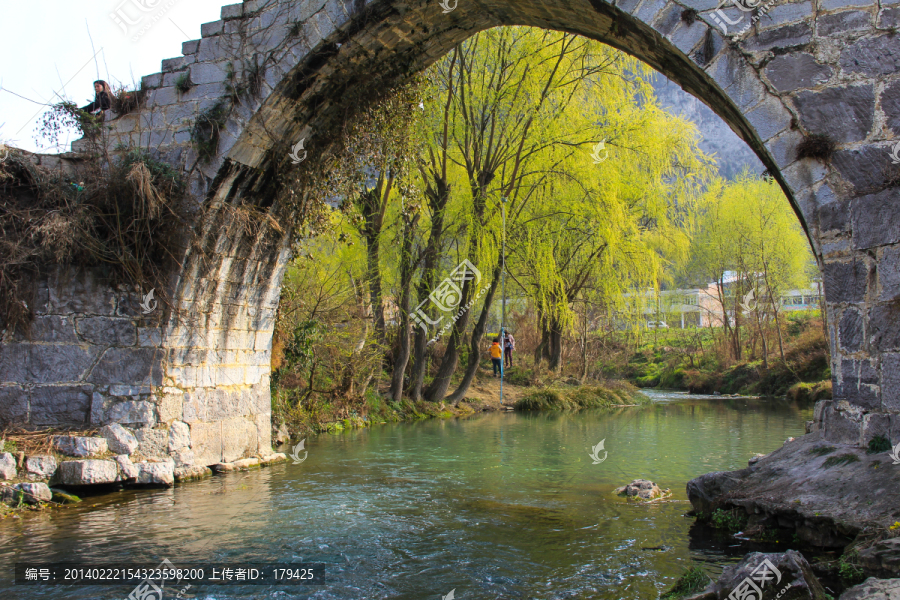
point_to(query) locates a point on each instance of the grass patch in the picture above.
(565, 397)
(732, 520)
(691, 581)
(822, 450)
(843, 459)
(878, 444)
(183, 83)
(208, 129)
(849, 570)
(545, 399)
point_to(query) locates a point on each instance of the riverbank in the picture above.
(318, 414)
(694, 360)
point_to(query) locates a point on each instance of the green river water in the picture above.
(493, 506)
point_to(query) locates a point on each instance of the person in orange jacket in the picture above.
(497, 357)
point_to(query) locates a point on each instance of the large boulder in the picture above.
(785, 575)
(7, 466)
(87, 472)
(882, 557)
(706, 491)
(119, 439)
(35, 493)
(80, 447)
(40, 467)
(156, 473)
(642, 489)
(874, 589)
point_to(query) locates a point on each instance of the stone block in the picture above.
(183, 457)
(239, 438)
(207, 441)
(107, 331)
(7, 466)
(804, 174)
(206, 72)
(867, 168)
(190, 47)
(769, 118)
(52, 328)
(156, 473)
(264, 433)
(58, 364)
(888, 270)
(151, 81)
(834, 216)
(846, 281)
(232, 11)
(172, 64)
(889, 17)
(884, 327)
(61, 405)
(87, 472)
(195, 406)
(170, 406)
(854, 20)
(789, 36)
(179, 436)
(796, 71)
(851, 330)
(81, 447)
(875, 219)
(890, 382)
(132, 366)
(890, 105)
(127, 470)
(872, 56)
(686, 37)
(13, 405)
(845, 114)
(132, 412)
(784, 13)
(119, 439)
(836, 4)
(81, 293)
(874, 425)
(40, 468)
(35, 493)
(840, 427)
(152, 443)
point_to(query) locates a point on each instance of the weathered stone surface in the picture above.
(889, 17)
(884, 327)
(845, 114)
(7, 466)
(876, 219)
(246, 463)
(858, 384)
(156, 473)
(854, 20)
(183, 457)
(239, 437)
(179, 436)
(207, 441)
(81, 447)
(13, 404)
(704, 491)
(789, 36)
(873, 589)
(58, 364)
(882, 558)
(866, 167)
(795, 579)
(108, 331)
(851, 330)
(132, 413)
(795, 71)
(152, 442)
(642, 489)
(87, 472)
(271, 459)
(119, 439)
(872, 56)
(126, 467)
(133, 366)
(35, 493)
(52, 328)
(889, 274)
(191, 473)
(40, 467)
(890, 382)
(890, 105)
(846, 281)
(60, 405)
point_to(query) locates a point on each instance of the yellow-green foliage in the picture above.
(560, 397)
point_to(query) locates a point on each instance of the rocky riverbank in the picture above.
(55, 469)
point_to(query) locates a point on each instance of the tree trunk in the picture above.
(438, 388)
(555, 345)
(406, 272)
(475, 342)
(373, 274)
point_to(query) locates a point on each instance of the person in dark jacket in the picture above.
(102, 98)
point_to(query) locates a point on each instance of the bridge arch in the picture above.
(273, 72)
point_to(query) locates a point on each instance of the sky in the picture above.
(48, 55)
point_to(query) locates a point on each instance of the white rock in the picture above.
(87, 472)
(183, 457)
(133, 412)
(40, 467)
(156, 473)
(179, 436)
(246, 463)
(7, 466)
(119, 439)
(126, 467)
(35, 492)
(80, 447)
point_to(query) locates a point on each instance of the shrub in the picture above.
(843, 459)
(878, 444)
(729, 520)
(545, 399)
(691, 581)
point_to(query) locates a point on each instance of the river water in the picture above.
(491, 506)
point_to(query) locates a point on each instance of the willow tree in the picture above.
(521, 102)
(750, 243)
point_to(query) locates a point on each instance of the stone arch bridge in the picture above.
(776, 75)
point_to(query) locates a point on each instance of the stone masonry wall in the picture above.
(284, 71)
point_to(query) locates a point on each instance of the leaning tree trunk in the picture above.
(475, 342)
(373, 251)
(406, 272)
(438, 388)
(555, 344)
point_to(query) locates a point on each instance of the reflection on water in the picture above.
(493, 506)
